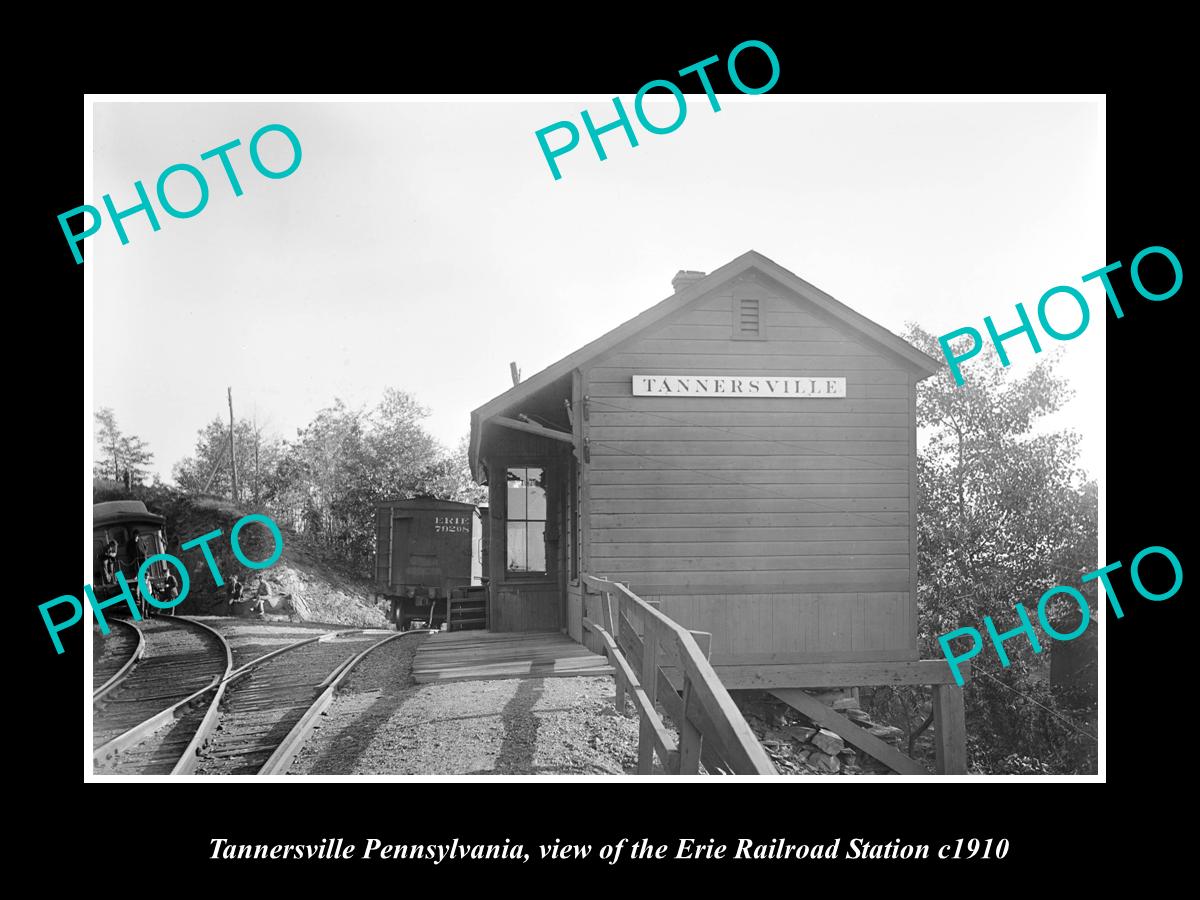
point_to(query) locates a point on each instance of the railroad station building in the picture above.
(743, 453)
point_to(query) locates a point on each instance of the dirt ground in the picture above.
(383, 723)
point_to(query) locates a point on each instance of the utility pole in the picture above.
(256, 442)
(232, 448)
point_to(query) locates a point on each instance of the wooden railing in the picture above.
(658, 662)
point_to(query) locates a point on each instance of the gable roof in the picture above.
(751, 259)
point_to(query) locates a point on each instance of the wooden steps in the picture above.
(469, 612)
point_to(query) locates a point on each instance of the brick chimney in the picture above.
(685, 278)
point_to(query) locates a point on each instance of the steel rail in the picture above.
(104, 754)
(281, 759)
(124, 671)
(190, 758)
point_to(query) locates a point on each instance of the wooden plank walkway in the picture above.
(486, 655)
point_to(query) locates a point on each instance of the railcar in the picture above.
(129, 534)
(430, 563)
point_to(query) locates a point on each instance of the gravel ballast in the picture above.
(383, 723)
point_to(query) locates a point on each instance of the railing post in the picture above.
(606, 620)
(691, 741)
(650, 686)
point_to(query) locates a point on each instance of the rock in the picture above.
(827, 742)
(848, 757)
(857, 715)
(845, 703)
(825, 763)
(889, 733)
(801, 733)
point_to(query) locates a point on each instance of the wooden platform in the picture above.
(486, 655)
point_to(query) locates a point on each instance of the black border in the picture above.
(1047, 825)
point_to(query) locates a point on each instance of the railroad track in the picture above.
(114, 656)
(185, 709)
(251, 640)
(272, 704)
(143, 723)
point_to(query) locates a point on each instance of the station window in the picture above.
(526, 512)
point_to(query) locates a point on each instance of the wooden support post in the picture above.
(950, 729)
(691, 741)
(619, 699)
(650, 686)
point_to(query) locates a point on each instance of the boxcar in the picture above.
(429, 562)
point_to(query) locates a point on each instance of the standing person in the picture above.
(133, 550)
(143, 598)
(235, 595)
(108, 563)
(169, 589)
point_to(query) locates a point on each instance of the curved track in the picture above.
(114, 655)
(267, 700)
(142, 724)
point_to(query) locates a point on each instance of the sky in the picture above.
(425, 245)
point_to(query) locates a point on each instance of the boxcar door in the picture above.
(402, 527)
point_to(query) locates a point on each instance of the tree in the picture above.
(1005, 514)
(328, 480)
(117, 452)
(212, 453)
(449, 478)
(399, 449)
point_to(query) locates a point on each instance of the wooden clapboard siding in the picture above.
(777, 581)
(795, 627)
(797, 550)
(525, 607)
(789, 563)
(700, 418)
(658, 444)
(684, 490)
(802, 438)
(761, 362)
(704, 521)
(700, 408)
(754, 503)
(744, 535)
(826, 479)
(606, 457)
(783, 526)
(824, 342)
